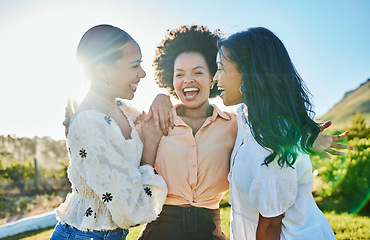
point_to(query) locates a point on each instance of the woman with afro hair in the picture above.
(191, 158)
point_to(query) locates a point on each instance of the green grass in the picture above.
(345, 226)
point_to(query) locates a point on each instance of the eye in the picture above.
(179, 75)
(138, 64)
(198, 73)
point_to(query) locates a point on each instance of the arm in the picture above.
(151, 138)
(268, 228)
(133, 195)
(161, 112)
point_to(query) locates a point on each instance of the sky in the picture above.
(328, 42)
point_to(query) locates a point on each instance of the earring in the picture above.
(107, 82)
(240, 88)
(212, 84)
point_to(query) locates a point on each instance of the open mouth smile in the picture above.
(190, 92)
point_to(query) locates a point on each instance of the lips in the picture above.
(220, 88)
(133, 86)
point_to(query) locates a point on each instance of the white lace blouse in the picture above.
(109, 187)
(271, 191)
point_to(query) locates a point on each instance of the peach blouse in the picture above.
(195, 168)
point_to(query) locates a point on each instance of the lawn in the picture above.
(344, 225)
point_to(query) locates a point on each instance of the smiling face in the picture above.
(192, 79)
(228, 79)
(124, 74)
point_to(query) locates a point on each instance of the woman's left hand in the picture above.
(161, 112)
(325, 144)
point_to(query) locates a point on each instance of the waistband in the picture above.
(192, 219)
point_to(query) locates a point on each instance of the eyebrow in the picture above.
(178, 69)
(136, 61)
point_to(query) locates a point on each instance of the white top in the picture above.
(109, 187)
(271, 191)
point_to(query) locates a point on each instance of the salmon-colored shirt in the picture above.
(195, 168)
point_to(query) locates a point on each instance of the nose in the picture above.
(188, 79)
(215, 78)
(142, 73)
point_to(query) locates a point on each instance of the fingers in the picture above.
(334, 152)
(156, 121)
(324, 154)
(75, 105)
(171, 119)
(149, 116)
(325, 125)
(339, 137)
(339, 145)
(68, 109)
(163, 120)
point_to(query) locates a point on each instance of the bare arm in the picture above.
(268, 228)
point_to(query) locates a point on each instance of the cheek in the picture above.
(177, 85)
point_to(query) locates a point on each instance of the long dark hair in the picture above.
(279, 105)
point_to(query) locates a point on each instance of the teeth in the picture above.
(190, 89)
(220, 88)
(134, 85)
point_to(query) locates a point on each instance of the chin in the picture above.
(230, 103)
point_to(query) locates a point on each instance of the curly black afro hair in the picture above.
(185, 39)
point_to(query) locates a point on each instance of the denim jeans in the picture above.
(66, 232)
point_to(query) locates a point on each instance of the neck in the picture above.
(203, 111)
(99, 99)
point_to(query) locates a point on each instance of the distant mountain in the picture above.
(354, 101)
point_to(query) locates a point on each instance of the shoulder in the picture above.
(129, 110)
(230, 116)
(89, 123)
(87, 117)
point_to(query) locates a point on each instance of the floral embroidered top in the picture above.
(109, 187)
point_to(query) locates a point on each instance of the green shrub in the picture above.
(22, 204)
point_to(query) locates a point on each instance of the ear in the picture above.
(101, 70)
(212, 82)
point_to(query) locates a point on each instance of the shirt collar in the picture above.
(216, 112)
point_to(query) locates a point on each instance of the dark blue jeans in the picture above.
(66, 232)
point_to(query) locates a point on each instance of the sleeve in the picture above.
(133, 195)
(273, 189)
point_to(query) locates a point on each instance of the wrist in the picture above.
(144, 162)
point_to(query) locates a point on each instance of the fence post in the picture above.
(35, 182)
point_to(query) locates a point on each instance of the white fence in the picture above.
(27, 224)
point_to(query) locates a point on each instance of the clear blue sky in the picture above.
(328, 41)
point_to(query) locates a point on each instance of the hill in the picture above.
(354, 101)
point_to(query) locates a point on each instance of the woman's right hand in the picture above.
(150, 132)
(161, 112)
